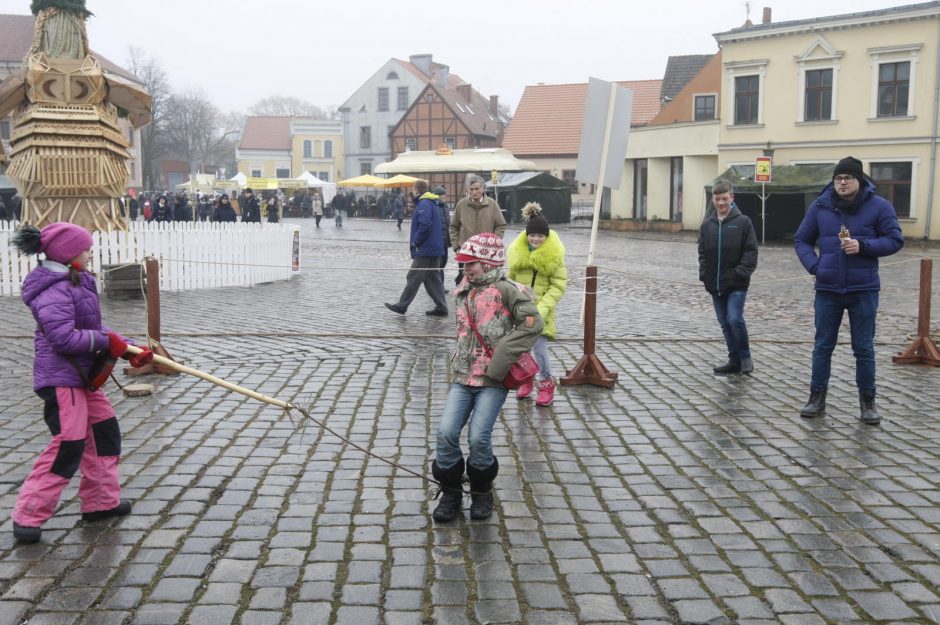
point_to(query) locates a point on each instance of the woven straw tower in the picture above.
(68, 156)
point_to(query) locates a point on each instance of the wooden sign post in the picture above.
(153, 324)
(923, 351)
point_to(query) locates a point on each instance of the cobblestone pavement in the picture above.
(676, 497)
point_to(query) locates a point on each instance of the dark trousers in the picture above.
(862, 307)
(433, 282)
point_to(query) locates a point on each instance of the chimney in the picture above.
(422, 62)
(464, 90)
(442, 73)
(766, 18)
(494, 105)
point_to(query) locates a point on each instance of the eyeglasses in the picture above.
(844, 178)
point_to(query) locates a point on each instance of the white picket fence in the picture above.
(192, 255)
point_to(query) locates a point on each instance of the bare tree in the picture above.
(153, 141)
(287, 106)
(196, 131)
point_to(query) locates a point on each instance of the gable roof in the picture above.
(549, 117)
(682, 106)
(266, 133)
(679, 71)
(17, 37)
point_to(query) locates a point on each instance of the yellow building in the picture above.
(286, 147)
(817, 90)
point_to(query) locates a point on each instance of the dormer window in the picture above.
(392, 76)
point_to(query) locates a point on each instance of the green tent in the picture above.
(516, 189)
(792, 189)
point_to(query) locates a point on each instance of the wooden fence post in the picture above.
(923, 351)
(153, 323)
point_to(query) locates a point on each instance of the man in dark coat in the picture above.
(852, 227)
(427, 247)
(727, 256)
(251, 209)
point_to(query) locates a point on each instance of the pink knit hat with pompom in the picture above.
(63, 241)
(487, 248)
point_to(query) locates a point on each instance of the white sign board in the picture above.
(597, 128)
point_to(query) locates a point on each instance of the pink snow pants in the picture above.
(85, 435)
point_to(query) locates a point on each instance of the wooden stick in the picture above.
(166, 362)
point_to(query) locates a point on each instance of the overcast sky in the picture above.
(239, 51)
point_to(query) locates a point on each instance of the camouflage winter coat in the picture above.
(508, 319)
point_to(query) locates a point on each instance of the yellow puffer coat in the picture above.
(543, 270)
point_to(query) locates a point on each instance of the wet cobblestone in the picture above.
(676, 497)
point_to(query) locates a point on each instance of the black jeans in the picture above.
(422, 273)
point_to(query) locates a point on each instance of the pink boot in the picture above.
(546, 392)
(524, 391)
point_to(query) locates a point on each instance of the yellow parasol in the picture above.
(400, 181)
(366, 180)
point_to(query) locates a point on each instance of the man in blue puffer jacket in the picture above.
(852, 227)
(427, 247)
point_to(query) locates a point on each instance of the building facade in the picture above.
(817, 90)
(286, 147)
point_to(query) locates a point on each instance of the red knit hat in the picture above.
(63, 241)
(486, 247)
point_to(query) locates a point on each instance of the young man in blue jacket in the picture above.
(727, 256)
(852, 227)
(427, 247)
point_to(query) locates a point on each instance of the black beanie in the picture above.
(849, 166)
(536, 224)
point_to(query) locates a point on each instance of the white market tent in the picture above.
(431, 161)
(327, 189)
(240, 179)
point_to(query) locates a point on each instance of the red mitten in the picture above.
(116, 345)
(144, 357)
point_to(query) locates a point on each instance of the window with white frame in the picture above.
(705, 106)
(365, 167)
(893, 182)
(451, 142)
(256, 172)
(746, 83)
(746, 99)
(308, 148)
(817, 95)
(365, 137)
(411, 144)
(402, 98)
(282, 172)
(893, 84)
(328, 149)
(324, 176)
(383, 98)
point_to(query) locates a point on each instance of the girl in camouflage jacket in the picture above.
(506, 316)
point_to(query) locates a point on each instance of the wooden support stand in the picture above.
(590, 370)
(923, 351)
(153, 324)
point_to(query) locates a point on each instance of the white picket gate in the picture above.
(192, 255)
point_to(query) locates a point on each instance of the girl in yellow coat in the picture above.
(537, 259)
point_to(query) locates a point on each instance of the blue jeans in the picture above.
(540, 354)
(729, 309)
(480, 406)
(862, 307)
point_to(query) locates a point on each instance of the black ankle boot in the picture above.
(816, 406)
(25, 534)
(481, 490)
(451, 491)
(122, 509)
(869, 415)
(729, 367)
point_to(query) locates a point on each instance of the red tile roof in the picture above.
(549, 117)
(266, 133)
(16, 35)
